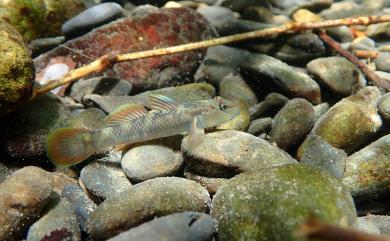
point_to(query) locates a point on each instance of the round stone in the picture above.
(271, 204)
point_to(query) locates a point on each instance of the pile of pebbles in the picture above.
(312, 137)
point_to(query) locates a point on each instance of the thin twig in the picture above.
(104, 62)
(314, 229)
(370, 74)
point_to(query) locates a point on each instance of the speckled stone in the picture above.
(382, 62)
(367, 171)
(384, 107)
(291, 81)
(175, 227)
(226, 153)
(104, 180)
(149, 161)
(338, 74)
(270, 204)
(260, 126)
(292, 123)
(58, 218)
(234, 87)
(382, 222)
(25, 192)
(320, 110)
(4, 172)
(156, 197)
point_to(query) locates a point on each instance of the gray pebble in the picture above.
(23, 196)
(272, 103)
(234, 87)
(92, 17)
(291, 81)
(226, 153)
(380, 221)
(175, 227)
(104, 180)
(384, 107)
(4, 172)
(367, 226)
(144, 201)
(82, 205)
(292, 123)
(212, 184)
(320, 109)
(61, 217)
(382, 62)
(217, 15)
(149, 161)
(337, 74)
(100, 86)
(362, 43)
(379, 31)
(260, 126)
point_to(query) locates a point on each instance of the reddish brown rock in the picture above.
(148, 28)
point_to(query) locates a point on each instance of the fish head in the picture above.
(218, 111)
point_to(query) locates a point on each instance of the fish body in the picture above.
(132, 123)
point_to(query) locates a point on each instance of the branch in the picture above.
(370, 74)
(314, 229)
(105, 61)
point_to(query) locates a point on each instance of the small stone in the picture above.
(144, 201)
(104, 180)
(259, 14)
(217, 15)
(362, 43)
(233, 87)
(24, 132)
(367, 171)
(91, 18)
(16, 69)
(346, 9)
(212, 184)
(378, 31)
(291, 81)
(317, 152)
(312, 5)
(320, 110)
(241, 5)
(31, 17)
(4, 172)
(292, 123)
(380, 221)
(41, 45)
(382, 62)
(175, 227)
(81, 204)
(23, 196)
(180, 94)
(100, 86)
(260, 126)
(384, 107)
(366, 226)
(273, 102)
(337, 74)
(117, 36)
(240, 122)
(226, 153)
(351, 122)
(269, 204)
(61, 217)
(219, 62)
(149, 161)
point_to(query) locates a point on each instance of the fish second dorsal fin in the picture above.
(161, 102)
(125, 112)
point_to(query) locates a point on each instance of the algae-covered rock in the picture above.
(270, 204)
(225, 153)
(16, 68)
(31, 17)
(367, 171)
(351, 122)
(143, 201)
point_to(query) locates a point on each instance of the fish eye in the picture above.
(222, 106)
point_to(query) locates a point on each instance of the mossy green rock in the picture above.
(144, 201)
(31, 17)
(16, 69)
(271, 204)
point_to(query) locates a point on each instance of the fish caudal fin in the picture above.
(69, 146)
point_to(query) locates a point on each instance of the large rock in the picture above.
(270, 204)
(160, 28)
(23, 196)
(16, 68)
(31, 17)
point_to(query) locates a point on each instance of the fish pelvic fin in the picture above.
(196, 134)
(69, 146)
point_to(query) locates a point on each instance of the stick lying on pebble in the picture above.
(106, 61)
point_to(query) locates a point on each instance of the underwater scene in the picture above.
(195, 120)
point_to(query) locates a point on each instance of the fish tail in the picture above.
(69, 146)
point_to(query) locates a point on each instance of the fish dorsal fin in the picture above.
(161, 102)
(125, 112)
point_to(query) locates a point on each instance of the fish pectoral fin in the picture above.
(161, 102)
(124, 113)
(196, 134)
